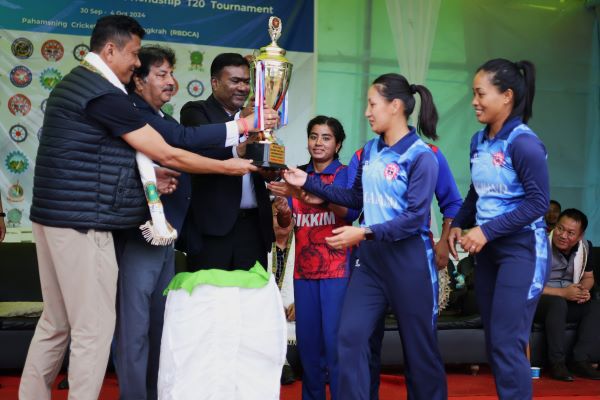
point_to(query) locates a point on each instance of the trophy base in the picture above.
(266, 155)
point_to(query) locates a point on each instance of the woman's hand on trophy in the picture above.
(238, 166)
(295, 177)
(280, 188)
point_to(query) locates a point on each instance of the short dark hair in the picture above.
(519, 77)
(556, 203)
(116, 28)
(226, 60)
(151, 55)
(333, 124)
(576, 216)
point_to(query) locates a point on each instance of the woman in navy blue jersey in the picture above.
(505, 207)
(394, 186)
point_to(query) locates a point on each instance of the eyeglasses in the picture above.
(560, 230)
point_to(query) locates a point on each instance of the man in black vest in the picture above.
(230, 226)
(86, 184)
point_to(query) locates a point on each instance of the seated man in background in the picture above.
(566, 298)
(552, 214)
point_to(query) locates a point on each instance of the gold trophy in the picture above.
(273, 70)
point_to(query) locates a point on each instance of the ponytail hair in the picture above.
(519, 77)
(395, 86)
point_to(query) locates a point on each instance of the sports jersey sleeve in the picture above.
(446, 192)
(353, 167)
(529, 160)
(116, 113)
(421, 184)
(341, 180)
(465, 218)
(348, 197)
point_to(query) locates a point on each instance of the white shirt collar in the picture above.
(95, 60)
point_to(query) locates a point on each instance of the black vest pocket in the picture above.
(119, 191)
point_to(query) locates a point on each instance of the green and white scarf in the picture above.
(157, 231)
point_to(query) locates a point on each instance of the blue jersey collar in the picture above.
(506, 129)
(329, 170)
(401, 145)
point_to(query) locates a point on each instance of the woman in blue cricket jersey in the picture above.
(394, 185)
(505, 208)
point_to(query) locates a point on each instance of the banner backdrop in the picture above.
(40, 42)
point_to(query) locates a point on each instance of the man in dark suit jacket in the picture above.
(145, 270)
(229, 225)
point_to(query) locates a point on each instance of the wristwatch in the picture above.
(369, 235)
(2, 214)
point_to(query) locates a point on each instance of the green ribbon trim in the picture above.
(254, 278)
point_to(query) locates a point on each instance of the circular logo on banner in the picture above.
(195, 88)
(43, 105)
(18, 133)
(20, 76)
(196, 59)
(13, 217)
(50, 77)
(15, 193)
(391, 171)
(167, 108)
(22, 48)
(52, 50)
(19, 105)
(16, 162)
(80, 51)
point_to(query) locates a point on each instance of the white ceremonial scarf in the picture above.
(158, 231)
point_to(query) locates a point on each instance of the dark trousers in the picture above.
(318, 307)
(144, 273)
(507, 287)
(399, 274)
(375, 344)
(555, 312)
(241, 248)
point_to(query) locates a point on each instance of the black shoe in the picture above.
(287, 375)
(560, 372)
(584, 369)
(64, 384)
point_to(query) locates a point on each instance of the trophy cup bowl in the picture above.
(267, 153)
